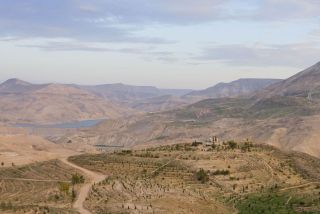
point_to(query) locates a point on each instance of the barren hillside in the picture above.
(288, 121)
(22, 102)
(237, 88)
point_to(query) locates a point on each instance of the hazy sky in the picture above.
(166, 43)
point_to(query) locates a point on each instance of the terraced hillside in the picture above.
(191, 178)
(36, 188)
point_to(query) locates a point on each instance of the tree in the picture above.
(77, 179)
(64, 187)
(232, 144)
(73, 194)
(202, 176)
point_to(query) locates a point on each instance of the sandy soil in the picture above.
(21, 149)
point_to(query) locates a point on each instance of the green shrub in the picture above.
(202, 176)
(77, 179)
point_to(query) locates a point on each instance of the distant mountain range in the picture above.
(23, 102)
(140, 98)
(126, 93)
(285, 114)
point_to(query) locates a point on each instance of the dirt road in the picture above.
(85, 189)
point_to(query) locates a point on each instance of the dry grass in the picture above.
(136, 186)
(34, 188)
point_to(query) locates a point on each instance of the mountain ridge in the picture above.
(299, 84)
(22, 102)
(236, 88)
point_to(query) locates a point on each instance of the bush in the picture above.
(221, 172)
(64, 187)
(73, 195)
(196, 143)
(247, 146)
(202, 176)
(232, 144)
(126, 152)
(77, 179)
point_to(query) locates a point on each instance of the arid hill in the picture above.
(222, 178)
(21, 149)
(152, 99)
(22, 102)
(128, 93)
(235, 177)
(237, 88)
(290, 122)
(161, 103)
(303, 84)
(141, 98)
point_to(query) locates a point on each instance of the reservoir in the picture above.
(68, 125)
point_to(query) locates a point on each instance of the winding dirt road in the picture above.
(85, 189)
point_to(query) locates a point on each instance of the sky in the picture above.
(165, 43)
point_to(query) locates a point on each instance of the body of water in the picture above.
(68, 125)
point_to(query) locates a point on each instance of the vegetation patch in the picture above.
(276, 202)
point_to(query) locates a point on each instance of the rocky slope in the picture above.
(305, 83)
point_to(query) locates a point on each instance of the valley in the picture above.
(249, 146)
(159, 107)
(282, 115)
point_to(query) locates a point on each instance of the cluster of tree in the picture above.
(147, 155)
(175, 147)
